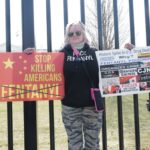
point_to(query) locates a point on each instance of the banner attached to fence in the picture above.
(123, 72)
(38, 76)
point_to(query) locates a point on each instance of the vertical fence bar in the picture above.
(8, 28)
(51, 103)
(119, 98)
(100, 46)
(65, 4)
(147, 21)
(136, 121)
(9, 104)
(132, 28)
(82, 9)
(120, 123)
(30, 126)
(135, 96)
(99, 21)
(48, 19)
(116, 24)
(104, 129)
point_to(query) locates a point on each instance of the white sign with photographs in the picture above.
(123, 72)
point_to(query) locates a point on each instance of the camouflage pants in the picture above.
(83, 127)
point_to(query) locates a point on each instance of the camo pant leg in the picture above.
(92, 123)
(72, 119)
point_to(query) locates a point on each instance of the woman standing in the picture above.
(81, 121)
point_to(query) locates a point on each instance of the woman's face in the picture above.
(75, 35)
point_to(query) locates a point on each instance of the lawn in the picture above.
(60, 134)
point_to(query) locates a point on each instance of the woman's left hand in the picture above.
(129, 46)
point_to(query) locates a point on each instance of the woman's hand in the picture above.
(129, 46)
(29, 51)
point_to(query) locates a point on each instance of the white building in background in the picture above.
(14, 48)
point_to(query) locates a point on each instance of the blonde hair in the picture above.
(66, 39)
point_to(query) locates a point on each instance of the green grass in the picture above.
(60, 134)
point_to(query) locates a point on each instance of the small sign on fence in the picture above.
(38, 76)
(123, 72)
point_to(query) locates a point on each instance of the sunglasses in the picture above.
(77, 33)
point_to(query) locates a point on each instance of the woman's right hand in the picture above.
(29, 51)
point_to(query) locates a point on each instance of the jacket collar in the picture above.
(68, 47)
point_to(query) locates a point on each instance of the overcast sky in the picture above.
(57, 21)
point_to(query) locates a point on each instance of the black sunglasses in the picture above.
(77, 33)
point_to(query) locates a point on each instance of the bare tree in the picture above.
(107, 24)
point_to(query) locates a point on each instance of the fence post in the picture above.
(135, 96)
(51, 103)
(9, 104)
(100, 47)
(82, 9)
(147, 22)
(65, 4)
(30, 128)
(119, 98)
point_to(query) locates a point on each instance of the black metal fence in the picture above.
(28, 40)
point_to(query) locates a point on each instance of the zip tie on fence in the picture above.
(30, 91)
